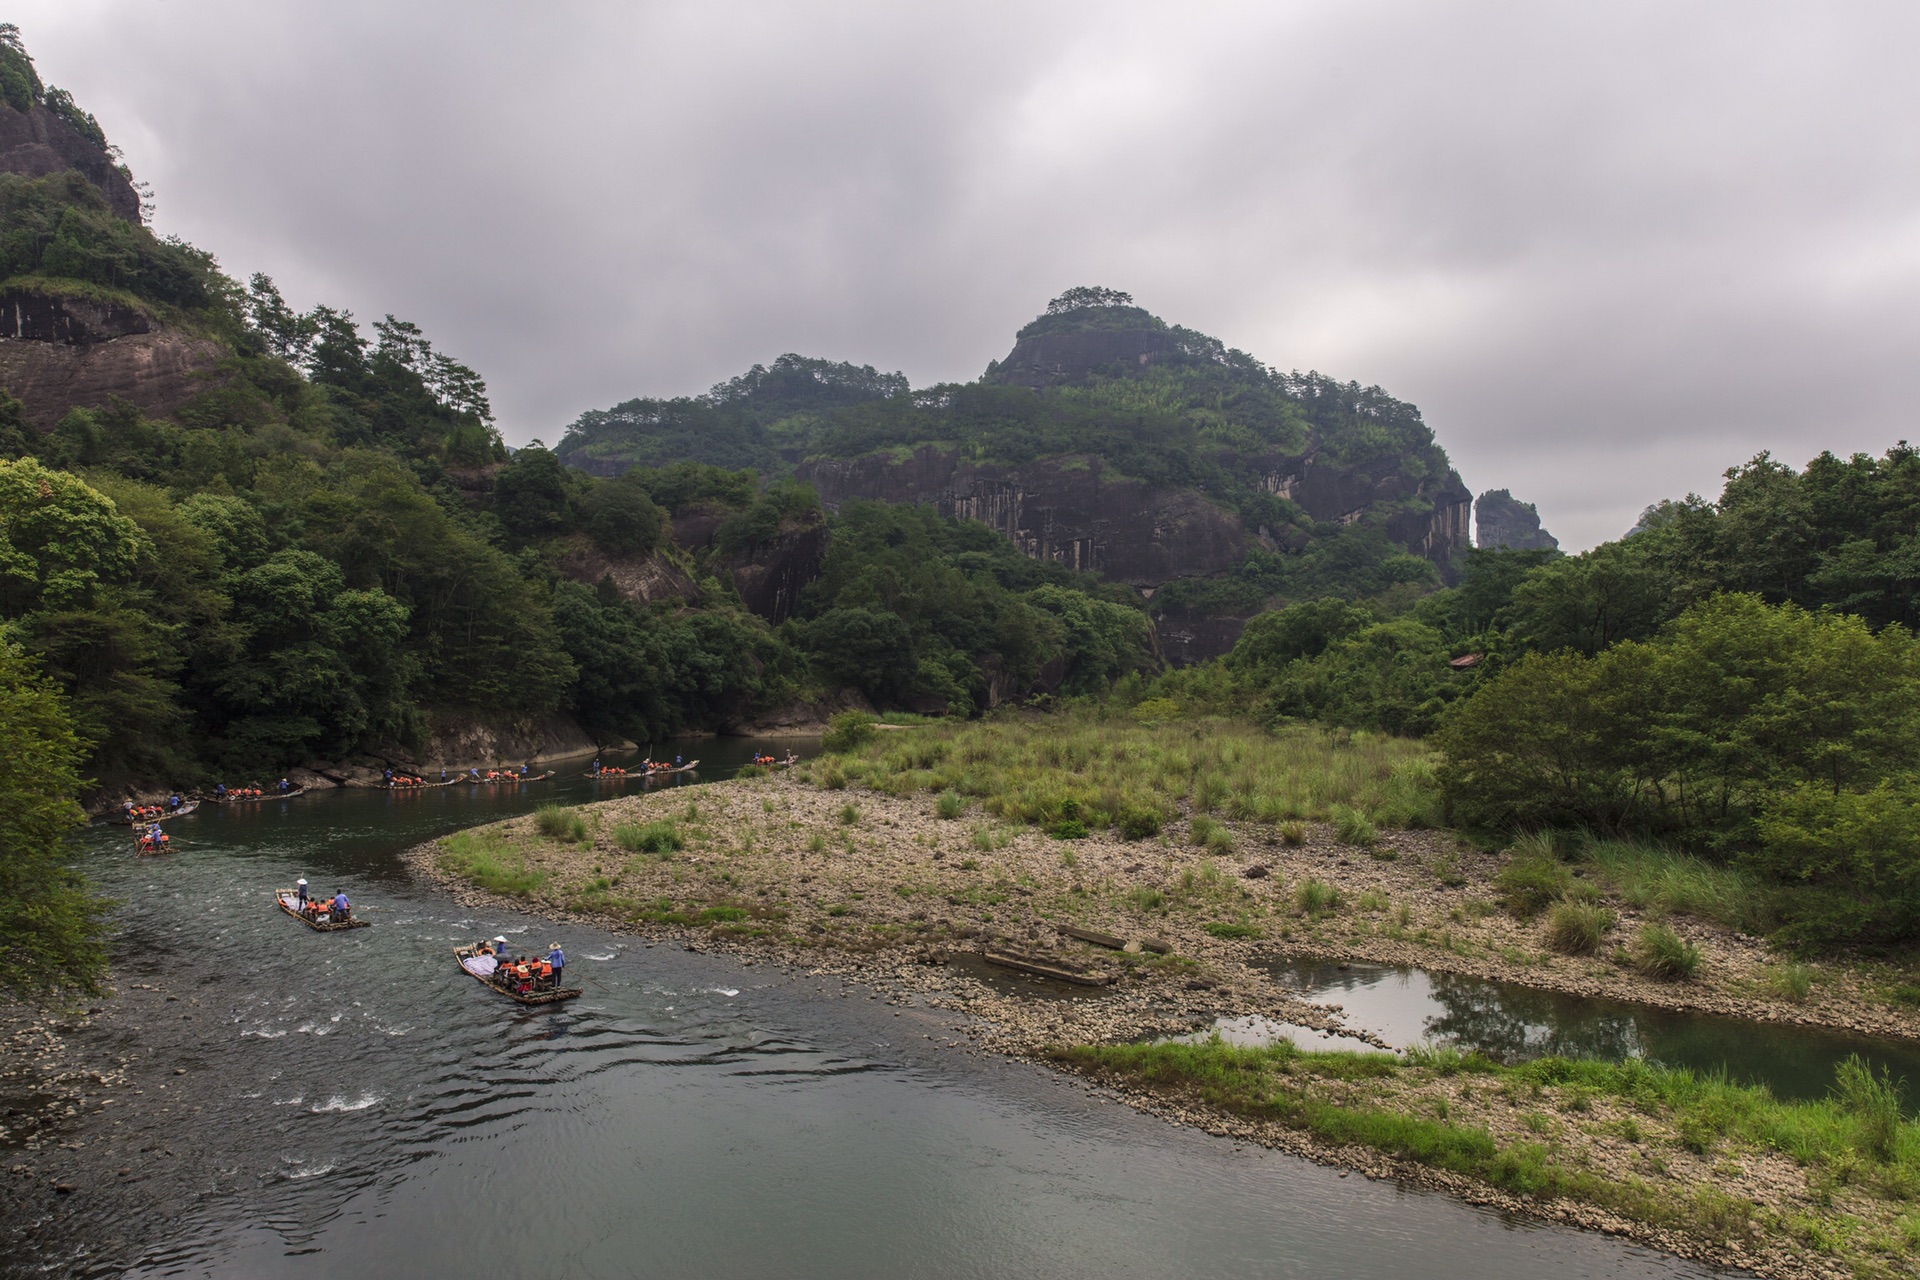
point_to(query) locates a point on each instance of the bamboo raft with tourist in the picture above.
(527, 979)
(151, 843)
(250, 795)
(324, 915)
(140, 815)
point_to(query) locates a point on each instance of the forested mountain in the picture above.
(241, 536)
(1108, 441)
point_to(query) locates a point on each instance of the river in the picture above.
(317, 1105)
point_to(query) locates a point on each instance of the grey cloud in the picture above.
(1610, 250)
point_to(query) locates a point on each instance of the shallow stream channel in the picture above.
(1405, 1007)
(304, 1105)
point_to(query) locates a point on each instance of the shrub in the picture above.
(1222, 929)
(648, 837)
(1068, 829)
(950, 805)
(1316, 897)
(1138, 822)
(559, 822)
(1662, 953)
(1145, 899)
(722, 915)
(1532, 880)
(849, 814)
(751, 771)
(834, 778)
(1353, 827)
(849, 731)
(1293, 833)
(1576, 928)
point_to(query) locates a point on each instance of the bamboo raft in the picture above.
(552, 996)
(259, 799)
(285, 900)
(495, 782)
(140, 849)
(122, 820)
(609, 775)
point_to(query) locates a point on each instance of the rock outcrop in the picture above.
(640, 580)
(1502, 521)
(771, 576)
(1048, 359)
(37, 143)
(1065, 509)
(60, 353)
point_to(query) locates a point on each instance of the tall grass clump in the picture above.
(1315, 897)
(1354, 827)
(486, 858)
(1576, 928)
(1662, 953)
(1653, 877)
(950, 805)
(559, 823)
(1873, 1100)
(648, 837)
(1533, 879)
(1136, 775)
(1792, 981)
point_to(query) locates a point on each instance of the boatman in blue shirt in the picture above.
(340, 907)
(558, 959)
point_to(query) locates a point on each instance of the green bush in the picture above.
(1532, 880)
(648, 837)
(560, 823)
(1068, 829)
(751, 771)
(1222, 929)
(1293, 833)
(722, 915)
(1576, 928)
(849, 814)
(849, 731)
(1662, 953)
(950, 805)
(1146, 899)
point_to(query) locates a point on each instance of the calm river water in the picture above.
(371, 1112)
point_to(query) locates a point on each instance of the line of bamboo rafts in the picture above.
(320, 921)
(552, 995)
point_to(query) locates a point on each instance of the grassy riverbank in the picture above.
(1752, 1177)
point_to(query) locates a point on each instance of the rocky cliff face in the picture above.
(1502, 521)
(62, 353)
(38, 142)
(1048, 359)
(1064, 509)
(642, 580)
(771, 576)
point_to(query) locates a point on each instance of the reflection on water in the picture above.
(1408, 1006)
(360, 1107)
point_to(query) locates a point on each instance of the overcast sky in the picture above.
(1608, 249)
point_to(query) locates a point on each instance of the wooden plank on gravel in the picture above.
(1041, 969)
(1094, 936)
